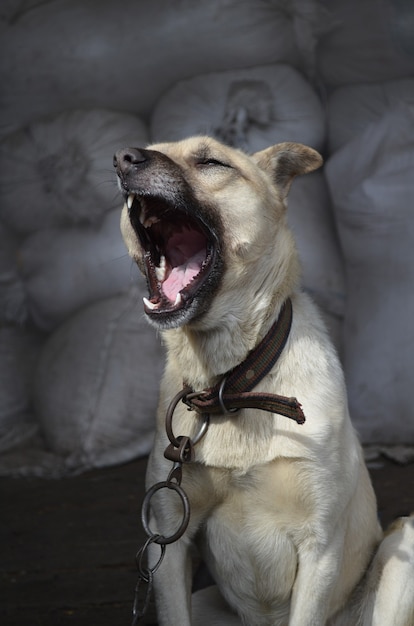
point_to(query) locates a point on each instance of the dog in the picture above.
(283, 512)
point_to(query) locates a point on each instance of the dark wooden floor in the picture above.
(68, 546)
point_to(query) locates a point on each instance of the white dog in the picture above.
(283, 512)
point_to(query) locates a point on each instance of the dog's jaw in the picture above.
(180, 258)
(177, 243)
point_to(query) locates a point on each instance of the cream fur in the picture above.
(285, 515)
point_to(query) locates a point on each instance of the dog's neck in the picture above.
(205, 355)
(237, 319)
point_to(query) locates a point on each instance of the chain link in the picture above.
(139, 557)
(179, 451)
(138, 613)
(161, 539)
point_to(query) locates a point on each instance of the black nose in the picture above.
(128, 158)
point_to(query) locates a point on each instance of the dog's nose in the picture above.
(128, 158)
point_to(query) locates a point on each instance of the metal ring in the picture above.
(192, 394)
(160, 539)
(203, 429)
(220, 398)
(146, 572)
(168, 418)
(170, 413)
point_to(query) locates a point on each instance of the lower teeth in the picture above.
(150, 305)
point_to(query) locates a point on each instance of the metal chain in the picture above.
(179, 451)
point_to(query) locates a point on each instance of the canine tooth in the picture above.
(178, 299)
(130, 200)
(148, 304)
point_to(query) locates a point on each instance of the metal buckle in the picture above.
(221, 401)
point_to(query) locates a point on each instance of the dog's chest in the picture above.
(252, 530)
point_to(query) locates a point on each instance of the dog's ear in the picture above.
(286, 160)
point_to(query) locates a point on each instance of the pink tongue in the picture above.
(181, 275)
(186, 253)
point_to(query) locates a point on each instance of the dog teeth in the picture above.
(146, 220)
(161, 270)
(149, 221)
(149, 305)
(130, 200)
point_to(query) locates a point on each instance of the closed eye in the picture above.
(213, 162)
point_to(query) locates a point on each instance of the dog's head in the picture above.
(200, 219)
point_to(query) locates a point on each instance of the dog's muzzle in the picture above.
(177, 238)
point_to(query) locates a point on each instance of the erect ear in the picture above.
(286, 160)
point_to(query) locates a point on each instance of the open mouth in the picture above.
(179, 256)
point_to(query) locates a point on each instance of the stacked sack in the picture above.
(365, 42)
(19, 349)
(95, 53)
(370, 177)
(365, 62)
(69, 307)
(85, 366)
(79, 367)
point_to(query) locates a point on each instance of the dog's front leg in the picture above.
(173, 579)
(317, 575)
(172, 583)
